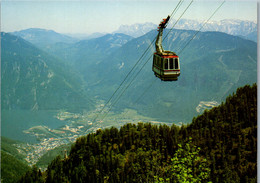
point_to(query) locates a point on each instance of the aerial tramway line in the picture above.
(166, 65)
(129, 73)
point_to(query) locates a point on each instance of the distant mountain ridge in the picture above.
(82, 36)
(229, 26)
(136, 30)
(247, 29)
(42, 37)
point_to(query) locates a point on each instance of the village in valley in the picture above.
(74, 126)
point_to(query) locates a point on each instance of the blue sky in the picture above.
(108, 15)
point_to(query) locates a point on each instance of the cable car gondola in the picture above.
(166, 64)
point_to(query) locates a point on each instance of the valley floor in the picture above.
(76, 125)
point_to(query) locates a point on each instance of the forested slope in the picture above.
(227, 136)
(218, 146)
(11, 168)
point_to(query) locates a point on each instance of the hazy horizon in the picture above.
(89, 17)
(82, 33)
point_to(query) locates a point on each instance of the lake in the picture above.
(14, 122)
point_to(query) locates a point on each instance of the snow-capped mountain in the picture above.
(233, 27)
(136, 30)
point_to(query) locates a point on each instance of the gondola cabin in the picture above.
(166, 67)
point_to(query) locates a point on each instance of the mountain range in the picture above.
(212, 67)
(136, 30)
(42, 37)
(73, 75)
(246, 29)
(34, 80)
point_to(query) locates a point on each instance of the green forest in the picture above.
(219, 145)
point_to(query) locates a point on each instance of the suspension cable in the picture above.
(201, 27)
(178, 20)
(189, 41)
(139, 70)
(147, 89)
(122, 82)
(131, 70)
(176, 8)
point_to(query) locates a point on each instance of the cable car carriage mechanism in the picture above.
(166, 64)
